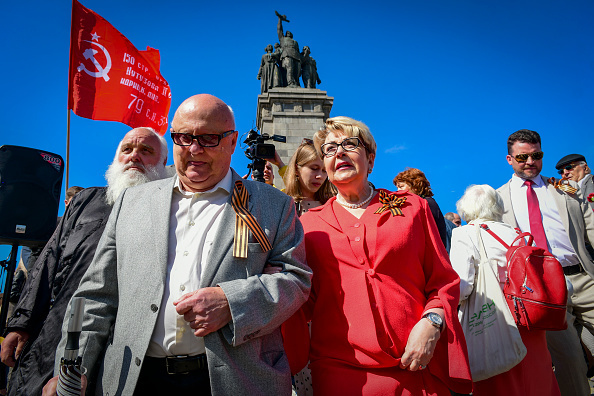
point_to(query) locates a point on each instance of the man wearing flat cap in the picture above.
(574, 167)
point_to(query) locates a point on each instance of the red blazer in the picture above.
(373, 278)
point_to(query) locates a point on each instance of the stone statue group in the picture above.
(282, 65)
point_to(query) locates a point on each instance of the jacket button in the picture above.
(154, 308)
(137, 361)
(371, 272)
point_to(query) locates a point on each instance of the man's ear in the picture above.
(509, 159)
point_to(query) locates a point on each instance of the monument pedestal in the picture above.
(296, 113)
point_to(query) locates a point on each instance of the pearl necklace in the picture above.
(358, 205)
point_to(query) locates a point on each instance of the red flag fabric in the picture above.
(109, 79)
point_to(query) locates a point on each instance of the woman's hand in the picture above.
(420, 346)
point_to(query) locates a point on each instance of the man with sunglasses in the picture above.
(558, 218)
(574, 167)
(177, 302)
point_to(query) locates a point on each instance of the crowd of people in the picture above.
(205, 282)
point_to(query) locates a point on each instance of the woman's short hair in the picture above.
(304, 154)
(417, 181)
(480, 202)
(348, 127)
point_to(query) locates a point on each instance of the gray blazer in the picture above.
(576, 215)
(588, 188)
(124, 286)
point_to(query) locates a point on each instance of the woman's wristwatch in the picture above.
(434, 319)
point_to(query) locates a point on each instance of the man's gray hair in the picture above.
(449, 216)
(164, 148)
(480, 202)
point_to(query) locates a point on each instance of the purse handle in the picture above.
(521, 236)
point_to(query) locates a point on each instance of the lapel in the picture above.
(560, 201)
(159, 210)
(327, 214)
(223, 241)
(508, 215)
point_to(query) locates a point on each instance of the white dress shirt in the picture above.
(193, 223)
(557, 239)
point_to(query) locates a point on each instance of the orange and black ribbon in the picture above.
(390, 202)
(563, 185)
(244, 220)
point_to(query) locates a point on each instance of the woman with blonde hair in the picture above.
(306, 179)
(383, 300)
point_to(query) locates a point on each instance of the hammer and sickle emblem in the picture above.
(90, 54)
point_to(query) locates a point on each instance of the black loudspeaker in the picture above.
(30, 186)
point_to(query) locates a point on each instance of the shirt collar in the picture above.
(519, 181)
(226, 184)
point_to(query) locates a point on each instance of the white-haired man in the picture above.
(35, 327)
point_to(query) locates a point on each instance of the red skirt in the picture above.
(332, 377)
(533, 376)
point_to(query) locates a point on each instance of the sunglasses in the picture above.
(567, 167)
(524, 157)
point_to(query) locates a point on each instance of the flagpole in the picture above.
(67, 149)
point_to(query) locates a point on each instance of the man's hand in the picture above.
(50, 389)
(12, 346)
(206, 310)
(420, 345)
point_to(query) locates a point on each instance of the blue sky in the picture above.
(440, 84)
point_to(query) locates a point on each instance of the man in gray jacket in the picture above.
(574, 167)
(559, 219)
(177, 298)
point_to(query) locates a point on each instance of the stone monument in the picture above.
(284, 108)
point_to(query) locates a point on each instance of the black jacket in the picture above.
(50, 285)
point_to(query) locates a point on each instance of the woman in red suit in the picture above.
(384, 296)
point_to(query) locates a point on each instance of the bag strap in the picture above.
(486, 228)
(483, 251)
(521, 236)
(525, 235)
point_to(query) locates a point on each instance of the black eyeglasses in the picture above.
(568, 167)
(206, 140)
(524, 157)
(349, 144)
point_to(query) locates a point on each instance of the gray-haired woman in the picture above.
(481, 204)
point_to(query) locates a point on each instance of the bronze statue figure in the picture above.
(269, 74)
(290, 57)
(309, 70)
(284, 65)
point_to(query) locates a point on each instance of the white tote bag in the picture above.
(492, 338)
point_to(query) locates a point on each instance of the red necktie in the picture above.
(536, 227)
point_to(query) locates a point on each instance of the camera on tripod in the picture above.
(260, 152)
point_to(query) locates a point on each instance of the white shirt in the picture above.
(193, 223)
(557, 239)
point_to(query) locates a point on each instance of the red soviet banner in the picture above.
(110, 79)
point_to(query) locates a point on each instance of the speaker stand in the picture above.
(7, 286)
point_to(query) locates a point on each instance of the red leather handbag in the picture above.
(535, 288)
